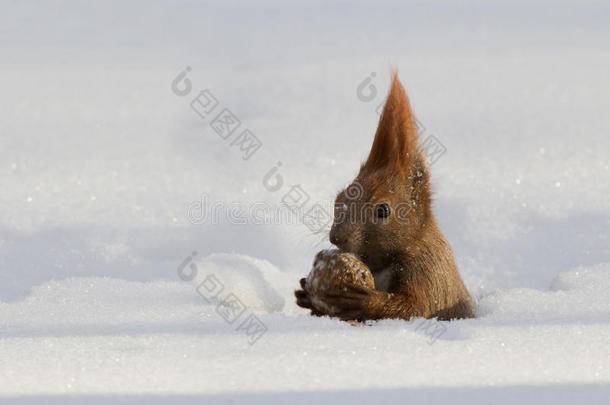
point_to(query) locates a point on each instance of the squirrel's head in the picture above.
(384, 211)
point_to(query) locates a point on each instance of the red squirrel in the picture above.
(385, 218)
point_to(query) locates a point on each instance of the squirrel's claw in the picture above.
(350, 303)
(303, 299)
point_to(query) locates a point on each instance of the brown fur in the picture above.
(407, 246)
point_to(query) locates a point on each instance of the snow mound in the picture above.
(257, 283)
(581, 294)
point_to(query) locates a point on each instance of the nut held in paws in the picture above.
(332, 271)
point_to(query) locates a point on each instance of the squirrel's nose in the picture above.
(334, 239)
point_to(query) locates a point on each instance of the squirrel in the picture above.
(385, 218)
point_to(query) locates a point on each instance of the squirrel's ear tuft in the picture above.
(395, 144)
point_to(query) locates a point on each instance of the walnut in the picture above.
(333, 270)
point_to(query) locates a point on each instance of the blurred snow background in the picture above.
(100, 162)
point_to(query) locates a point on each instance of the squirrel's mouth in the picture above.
(363, 257)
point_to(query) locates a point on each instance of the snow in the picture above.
(106, 172)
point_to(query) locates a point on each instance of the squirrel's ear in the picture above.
(395, 144)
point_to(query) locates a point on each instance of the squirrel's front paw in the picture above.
(303, 299)
(353, 303)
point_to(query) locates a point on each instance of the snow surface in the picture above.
(104, 170)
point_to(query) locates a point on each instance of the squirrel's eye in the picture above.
(382, 211)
